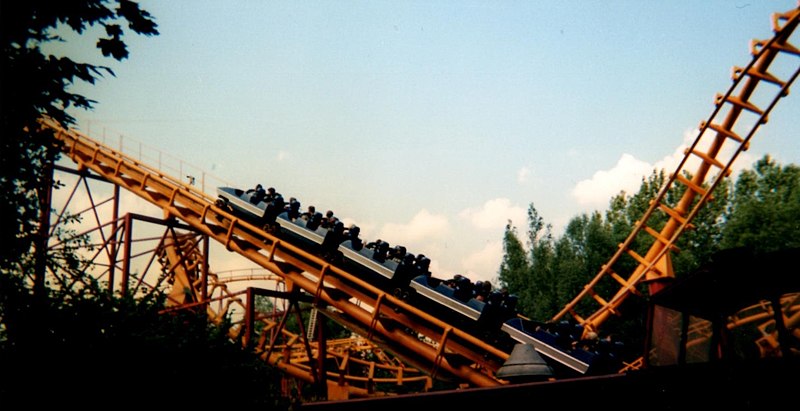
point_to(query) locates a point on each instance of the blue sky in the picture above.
(432, 123)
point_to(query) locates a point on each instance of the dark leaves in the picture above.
(35, 84)
(113, 30)
(113, 47)
(139, 20)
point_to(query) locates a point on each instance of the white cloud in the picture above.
(366, 228)
(494, 214)
(628, 173)
(425, 233)
(438, 271)
(625, 175)
(484, 264)
(282, 155)
(523, 174)
(423, 226)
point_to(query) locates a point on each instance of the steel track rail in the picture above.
(712, 148)
(330, 285)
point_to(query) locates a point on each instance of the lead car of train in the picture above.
(493, 319)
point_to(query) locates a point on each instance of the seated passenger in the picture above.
(276, 204)
(373, 245)
(352, 235)
(293, 209)
(462, 287)
(381, 251)
(422, 265)
(482, 290)
(328, 220)
(330, 244)
(271, 194)
(306, 215)
(495, 299)
(257, 194)
(253, 190)
(397, 253)
(315, 222)
(274, 208)
(404, 274)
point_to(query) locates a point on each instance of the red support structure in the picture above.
(113, 241)
(45, 199)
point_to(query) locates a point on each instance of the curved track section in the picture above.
(427, 343)
(736, 117)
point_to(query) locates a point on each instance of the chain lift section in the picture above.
(444, 351)
(141, 254)
(719, 142)
(447, 351)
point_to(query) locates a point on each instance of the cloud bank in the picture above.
(494, 214)
(627, 174)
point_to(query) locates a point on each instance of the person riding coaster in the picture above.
(275, 206)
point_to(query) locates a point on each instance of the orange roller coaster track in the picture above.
(712, 148)
(138, 255)
(381, 315)
(435, 348)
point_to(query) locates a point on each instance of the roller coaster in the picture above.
(413, 325)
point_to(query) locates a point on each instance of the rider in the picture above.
(257, 194)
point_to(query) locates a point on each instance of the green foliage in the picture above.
(544, 275)
(515, 267)
(70, 344)
(89, 349)
(36, 84)
(761, 211)
(542, 281)
(586, 245)
(764, 213)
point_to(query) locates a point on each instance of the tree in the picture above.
(580, 252)
(36, 84)
(515, 268)
(530, 276)
(764, 212)
(75, 345)
(761, 212)
(699, 244)
(90, 349)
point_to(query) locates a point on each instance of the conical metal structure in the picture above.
(525, 365)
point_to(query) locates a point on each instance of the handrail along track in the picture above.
(330, 285)
(333, 287)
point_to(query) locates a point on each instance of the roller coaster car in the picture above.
(303, 233)
(494, 320)
(434, 296)
(562, 348)
(244, 204)
(388, 275)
